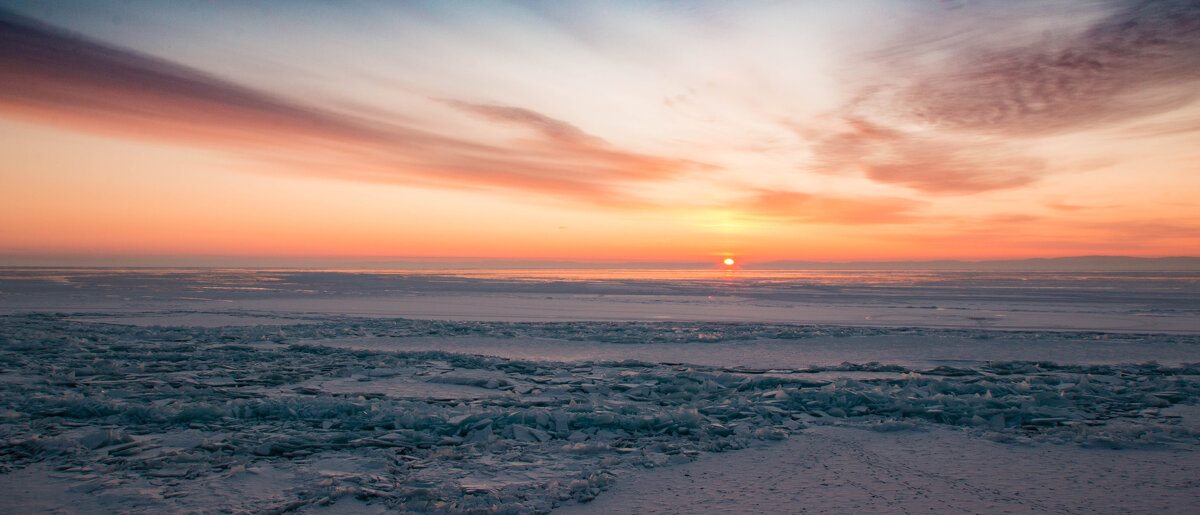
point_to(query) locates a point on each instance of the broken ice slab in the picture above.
(1048, 421)
(528, 434)
(104, 438)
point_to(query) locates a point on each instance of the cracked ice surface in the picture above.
(282, 418)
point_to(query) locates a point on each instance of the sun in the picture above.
(728, 261)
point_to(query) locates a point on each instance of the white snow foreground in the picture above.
(256, 419)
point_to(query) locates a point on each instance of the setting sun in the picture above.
(728, 261)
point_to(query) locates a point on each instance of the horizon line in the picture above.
(1075, 263)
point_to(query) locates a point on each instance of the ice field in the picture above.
(326, 392)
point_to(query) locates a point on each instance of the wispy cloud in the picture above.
(1142, 59)
(924, 162)
(549, 128)
(945, 111)
(1063, 206)
(1020, 234)
(559, 143)
(54, 77)
(792, 206)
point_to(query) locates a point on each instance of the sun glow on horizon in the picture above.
(728, 261)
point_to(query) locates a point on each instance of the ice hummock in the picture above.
(280, 418)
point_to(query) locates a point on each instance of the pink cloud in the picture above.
(53, 77)
(805, 207)
(923, 162)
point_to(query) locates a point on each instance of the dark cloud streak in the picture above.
(54, 77)
(48, 70)
(956, 127)
(1143, 59)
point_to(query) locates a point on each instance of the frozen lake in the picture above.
(169, 390)
(1167, 302)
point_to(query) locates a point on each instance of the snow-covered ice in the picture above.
(846, 469)
(125, 393)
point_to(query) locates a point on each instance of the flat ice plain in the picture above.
(598, 391)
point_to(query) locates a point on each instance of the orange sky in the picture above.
(643, 132)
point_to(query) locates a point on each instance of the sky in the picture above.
(599, 131)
